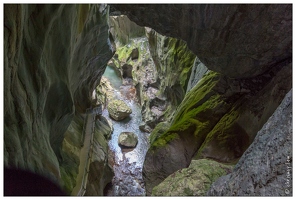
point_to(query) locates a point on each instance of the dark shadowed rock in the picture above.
(265, 169)
(235, 40)
(54, 57)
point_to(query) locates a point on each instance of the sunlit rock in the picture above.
(118, 110)
(192, 181)
(127, 140)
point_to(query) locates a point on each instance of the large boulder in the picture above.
(127, 140)
(265, 169)
(118, 110)
(192, 181)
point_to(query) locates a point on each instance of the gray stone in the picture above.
(265, 169)
(192, 181)
(123, 29)
(118, 110)
(127, 140)
(197, 72)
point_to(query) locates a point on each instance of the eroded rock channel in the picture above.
(196, 99)
(127, 163)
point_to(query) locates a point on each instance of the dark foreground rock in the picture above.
(241, 40)
(268, 160)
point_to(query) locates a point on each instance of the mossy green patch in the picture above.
(198, 95)
(124, 52)
(164, 139)
(227, 140)
(67, 176)
(195, 114)
(192, 181)
(82, 15)
(158, 130)
(182, 59)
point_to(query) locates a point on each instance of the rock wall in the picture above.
(250, 46)
(218, 119)
(268, 160)
(54, 56)
(173, 62)
(100, 172)
(242, 40)
(123, 29)
(159, 66)
(197, 72)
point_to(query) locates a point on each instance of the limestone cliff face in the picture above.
(123, 29)
(218, 119)
(173, 62)
(250, 45)
(159, 66)
(54, 56)
(235, 40)
(100, 173)
(268, 160)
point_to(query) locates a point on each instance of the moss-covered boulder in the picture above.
(118, 110)
(192, 181)
(127, 140)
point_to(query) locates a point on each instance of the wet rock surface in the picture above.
(127, 140)
(118, 110)
(129, 182)
(127, 163)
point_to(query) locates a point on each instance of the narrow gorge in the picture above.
(148, 100)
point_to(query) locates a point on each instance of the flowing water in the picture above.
(127, 165)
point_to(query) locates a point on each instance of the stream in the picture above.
(127, 165)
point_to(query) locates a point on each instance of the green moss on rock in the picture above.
(227, 141)
(192, 181)
(195, 115)
(158, 130)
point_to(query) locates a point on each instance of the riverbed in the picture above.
(127, 165)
